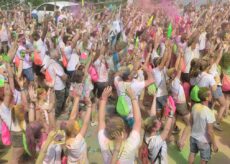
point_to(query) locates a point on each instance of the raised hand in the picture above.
(106, 93)
(32, 94)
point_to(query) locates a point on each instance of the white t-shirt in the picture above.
(77, 151)
(160, 80)
(53, 154)
(127, 150)
(26, 62)
(189, 55)
(40, 46)
(121, 86)
(56, 72)
(73, 62)
(215, 73)
(205, 80)
(154, 145)
(202, 116)
(178, 91)
(5, 114)
(101, 70)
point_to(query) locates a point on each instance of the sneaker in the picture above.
(94, 123)
(218, 127)
(176, 130)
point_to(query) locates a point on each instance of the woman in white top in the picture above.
(75, 142)
(204, 79)
(217, 94)
(116, 145)
(13, 116)
(154, 139)
(178, 94)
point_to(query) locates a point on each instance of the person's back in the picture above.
(201, 115)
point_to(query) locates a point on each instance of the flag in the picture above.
(48, 77)
(169, 32)
(150, 21)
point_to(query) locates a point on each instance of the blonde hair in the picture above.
(18, 114)
(72, 128)
(150, 123)
(114, 126)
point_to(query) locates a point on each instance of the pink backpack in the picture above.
(172, 103)
(93, 73)
(5, 135)
(186, 87)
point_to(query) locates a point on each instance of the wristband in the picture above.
(133, 99)
(22, 89)
(171, 114)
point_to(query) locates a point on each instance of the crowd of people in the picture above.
(127, 72)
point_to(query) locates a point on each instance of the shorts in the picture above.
(161, 102)
(218, 92)
(182, 109)
(99, 88)
(29, 74)
(16, 139)
(204, 148)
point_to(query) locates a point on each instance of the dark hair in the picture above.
(203, 93)
(195, 68)
(65, 39)
(125, 75)
(77, 76)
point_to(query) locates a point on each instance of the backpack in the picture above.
(48, 76)
(17, 61)
(122, 106)
(93, 73)
(194, 94)
(172, 103)
(64, 61)
(226, 83)
(144, 153)
(37, 58)
(195, 91)
(6, 138)
(152, 88)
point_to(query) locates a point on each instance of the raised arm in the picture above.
(153, 107)
(74, 41)
(168, 125)
(149, 79)
(102, 107)
(136, 110)
(75, 108)
(220, 54)
(178, 63)
(45, 29)
(87, 118)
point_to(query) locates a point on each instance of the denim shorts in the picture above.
(218, 92)
(204, 148)
(161, 102)
(29, 74)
